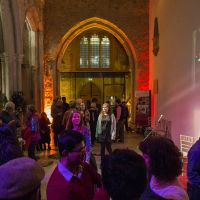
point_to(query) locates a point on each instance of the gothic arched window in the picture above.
(94, 51)
(105, 48)
(84, 52)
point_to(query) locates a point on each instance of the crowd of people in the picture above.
(20, 175)
(97, 123)
(151, 174)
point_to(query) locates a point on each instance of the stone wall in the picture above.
(131, 16)
(176, 67)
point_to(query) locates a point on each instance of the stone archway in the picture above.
(103, 24)
(76, 30)
(32, 46)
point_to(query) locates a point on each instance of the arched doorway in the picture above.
(31, 72)
(117, 33)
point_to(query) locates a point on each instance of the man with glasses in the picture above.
(73, 178)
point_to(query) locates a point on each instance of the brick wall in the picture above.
(131, 16)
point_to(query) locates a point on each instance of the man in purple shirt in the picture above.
(73, 179)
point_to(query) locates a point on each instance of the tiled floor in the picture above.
(48, 161)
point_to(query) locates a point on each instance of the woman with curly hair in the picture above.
(164, 162)
(123, 176)
(76, 123)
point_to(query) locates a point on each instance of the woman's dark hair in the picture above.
(70, 124)
(165, 157)
(118, 101)
(124, 174)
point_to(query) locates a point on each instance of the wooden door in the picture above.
(89, 91)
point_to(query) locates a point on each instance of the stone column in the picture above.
(55, 76)
(7, 78)
(41, 69)
(19, 80)
(49, 83)
(35, 83)
(3, 78)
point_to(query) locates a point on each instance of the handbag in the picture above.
(26, 133)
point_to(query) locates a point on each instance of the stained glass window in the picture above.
(105, 55)
(84, 52)
(95, 52)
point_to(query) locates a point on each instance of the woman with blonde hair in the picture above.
(106, 129)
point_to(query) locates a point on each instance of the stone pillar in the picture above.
(19, 72)
(35, 85)
(41, 69)
(55, 77)
(13, 68)
(7, 79)
(49, 83)
(3, 77)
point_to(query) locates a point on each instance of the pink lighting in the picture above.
(196, 123)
